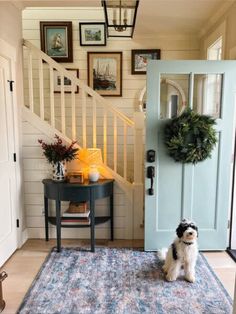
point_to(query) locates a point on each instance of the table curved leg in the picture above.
(58, 222)
(92, 227)
(46, 217)
(112, 218)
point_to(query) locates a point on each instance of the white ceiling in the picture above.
(177, 17)
(58, 3)
(158, 17)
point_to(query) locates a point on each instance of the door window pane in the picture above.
(173, 95)
(207, 94)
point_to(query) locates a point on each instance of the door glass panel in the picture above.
(207, 94)
(174, 94)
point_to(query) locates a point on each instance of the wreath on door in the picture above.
(191, 137)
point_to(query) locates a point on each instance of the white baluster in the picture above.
(125, 150)
(84, 127)
(115, 142)
(52, 104)
(63, 118)
(105, 135)
(41, 90)
(73, 114)
(30, 77)
(94, 123)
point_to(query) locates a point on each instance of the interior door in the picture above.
(198, 192)
(8, 235)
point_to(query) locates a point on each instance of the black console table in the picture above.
(64, 191)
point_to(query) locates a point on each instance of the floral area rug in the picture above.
(123, 281)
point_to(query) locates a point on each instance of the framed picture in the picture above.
(67, 82)
(105, 72)
(139, 59)
(92, 34)
(56, 40)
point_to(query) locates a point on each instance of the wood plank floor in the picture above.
(24, 264)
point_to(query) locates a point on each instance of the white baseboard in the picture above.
(24, 237)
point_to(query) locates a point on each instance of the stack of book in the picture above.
(76, 214)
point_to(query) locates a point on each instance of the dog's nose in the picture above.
(190, 233)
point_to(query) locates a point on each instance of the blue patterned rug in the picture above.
(120, 281)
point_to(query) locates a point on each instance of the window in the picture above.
(207, 92)
(214, 52)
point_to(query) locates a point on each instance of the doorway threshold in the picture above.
(232, 253)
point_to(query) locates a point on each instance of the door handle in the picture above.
(151, 175)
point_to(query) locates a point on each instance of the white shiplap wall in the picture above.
(35, 168)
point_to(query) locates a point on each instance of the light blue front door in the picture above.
(199, 192)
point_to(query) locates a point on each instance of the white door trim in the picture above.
(7, 50)
(232, 214)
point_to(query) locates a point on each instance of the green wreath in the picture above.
(191, 137)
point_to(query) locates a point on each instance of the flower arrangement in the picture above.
(56, 152)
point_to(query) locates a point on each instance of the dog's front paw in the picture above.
(190, 278)
(164, 268)
(170, 277)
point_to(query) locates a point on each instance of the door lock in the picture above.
(151, 155)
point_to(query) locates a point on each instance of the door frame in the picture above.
(232, 215)
(9, 52)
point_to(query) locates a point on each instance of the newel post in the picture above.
(138, 147)
(138, 189)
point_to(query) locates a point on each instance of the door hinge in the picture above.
(14, 157)
(17, 223)
(11, 85)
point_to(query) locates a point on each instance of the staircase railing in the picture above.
(87, 117)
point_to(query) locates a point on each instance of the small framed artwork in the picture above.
(56, 40)
(105, 72)
(92, 34)
(139, 59)
(67, 82)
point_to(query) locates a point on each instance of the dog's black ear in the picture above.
(194, 227)
(180, 231)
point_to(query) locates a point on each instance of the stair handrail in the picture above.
(78, 82)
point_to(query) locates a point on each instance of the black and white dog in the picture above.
(182, 252)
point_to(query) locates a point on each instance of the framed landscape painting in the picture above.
(56, 40)
(139, 59)
(105, 72)
(92, 34)
(67, 82)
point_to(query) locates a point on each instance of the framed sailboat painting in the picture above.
(105, 72)
(56, 40)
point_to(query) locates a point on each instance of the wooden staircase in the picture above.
(88, 118)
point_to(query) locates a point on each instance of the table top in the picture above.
(77, 192)
(86, 183)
